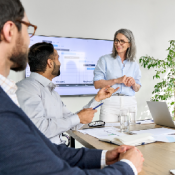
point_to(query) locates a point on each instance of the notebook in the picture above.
(133, 140)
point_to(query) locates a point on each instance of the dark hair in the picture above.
(11, 10)
(39, 53)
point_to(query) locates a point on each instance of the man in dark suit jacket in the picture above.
(24, 150)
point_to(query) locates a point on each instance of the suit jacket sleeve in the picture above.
(24, 150)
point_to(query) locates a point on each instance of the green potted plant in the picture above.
(165, 89)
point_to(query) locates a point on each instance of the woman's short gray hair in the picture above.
(131, 52)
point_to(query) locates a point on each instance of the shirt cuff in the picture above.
(138, 82)
(103, 158)
(131, 165)
(75, 120)
(98, 78)
(93, 103)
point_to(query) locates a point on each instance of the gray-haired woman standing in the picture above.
(119, 69)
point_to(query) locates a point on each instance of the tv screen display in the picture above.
(78, 58)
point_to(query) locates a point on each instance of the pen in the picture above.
(97, 106)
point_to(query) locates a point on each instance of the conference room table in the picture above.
(159, 157)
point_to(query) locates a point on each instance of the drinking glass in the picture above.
(124, 120)
(132, 116)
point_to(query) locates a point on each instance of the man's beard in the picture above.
(19, 55)
(56, 70)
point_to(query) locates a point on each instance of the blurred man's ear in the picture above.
(50, 63)
(8, 31)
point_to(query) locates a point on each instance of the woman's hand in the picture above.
(130, 82)
(127, 81)
(121, 80)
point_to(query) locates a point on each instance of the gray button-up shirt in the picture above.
(44, 107)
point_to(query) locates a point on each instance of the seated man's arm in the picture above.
(32, 105)
(102, 94)
(66, 113)
(84, 158)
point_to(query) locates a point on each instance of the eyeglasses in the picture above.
(31, 28)
(98, 123)
(120, 41)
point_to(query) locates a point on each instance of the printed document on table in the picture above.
(112, 124)
(144, 121)
(102, 132)
(156, 131)
(137, 122)
(165, 138)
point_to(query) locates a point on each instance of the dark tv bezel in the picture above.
(80, 95)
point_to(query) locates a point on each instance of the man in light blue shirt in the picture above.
(42, 104)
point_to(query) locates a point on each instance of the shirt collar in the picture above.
(118, 57)
(43, 80)
(122, 65)
(7, 85)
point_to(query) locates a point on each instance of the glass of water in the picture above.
(132, 116)
(124, 120)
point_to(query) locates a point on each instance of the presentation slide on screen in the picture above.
(78, 58)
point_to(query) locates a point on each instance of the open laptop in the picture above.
(161, 113)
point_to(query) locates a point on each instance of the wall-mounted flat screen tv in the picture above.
(78, 57)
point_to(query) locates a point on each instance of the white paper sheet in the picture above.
(137, 122)
(159, 134)
(172, 171)
(112, 124)
(144, 121)
(156, 131)
(102, 132)
(165, 138)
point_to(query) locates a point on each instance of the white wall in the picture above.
(152, 22)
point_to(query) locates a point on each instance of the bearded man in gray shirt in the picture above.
(42, 104)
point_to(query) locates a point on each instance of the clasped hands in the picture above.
(127, 81)
(130, 153)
